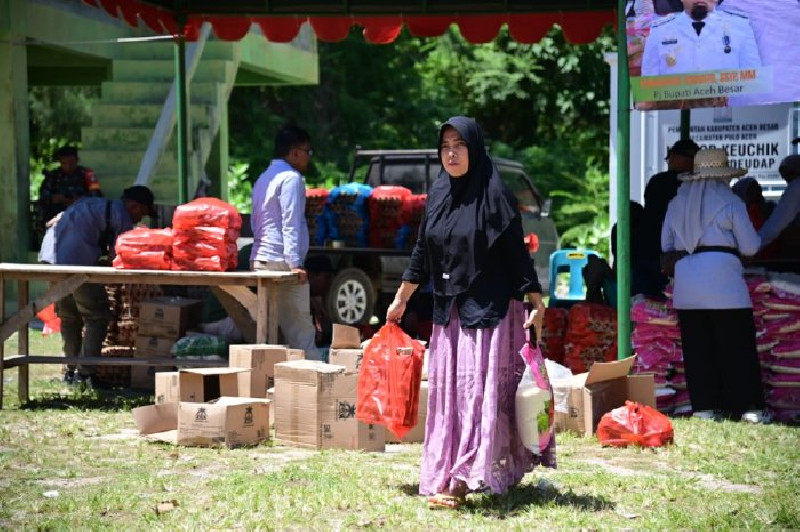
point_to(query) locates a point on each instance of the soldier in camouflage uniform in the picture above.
(64, 185)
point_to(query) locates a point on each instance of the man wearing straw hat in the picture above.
(709, 223)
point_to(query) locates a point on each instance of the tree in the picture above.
(544, 104)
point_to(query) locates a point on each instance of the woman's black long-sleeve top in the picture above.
(507, 273)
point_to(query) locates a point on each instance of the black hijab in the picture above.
(465, 216)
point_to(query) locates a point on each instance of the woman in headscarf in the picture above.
(471, 246)
(710, 223)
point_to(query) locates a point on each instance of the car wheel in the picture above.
(351, 298)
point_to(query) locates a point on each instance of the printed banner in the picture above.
(756, 138)
(713, 53)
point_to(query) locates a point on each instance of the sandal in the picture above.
(450, 502)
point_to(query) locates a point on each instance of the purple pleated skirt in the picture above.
(470, 433)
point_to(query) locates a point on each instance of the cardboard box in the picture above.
(260, 359)
(167, 387)
(315, 406)
(227, 421)
(154, 346)
(157, 422)
(604, 387)
(295, 354)
(417, 434)
(143, 377)
(271, 397)
(168, 317)
(201, 385)
(349, 358)
(345, 337)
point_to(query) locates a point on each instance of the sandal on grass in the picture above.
(450, 502)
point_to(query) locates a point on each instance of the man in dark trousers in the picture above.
(659, 191)
(80, 232)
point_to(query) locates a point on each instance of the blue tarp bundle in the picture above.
(349, 221)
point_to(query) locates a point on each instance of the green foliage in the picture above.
(544, 104)
(56, 115)
(239, 187)
(584, 211)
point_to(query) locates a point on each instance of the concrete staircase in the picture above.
(125, 116)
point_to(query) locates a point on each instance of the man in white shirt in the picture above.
(280, 233)
(700, 38)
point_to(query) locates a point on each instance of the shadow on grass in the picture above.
(104, 399)
(519, 498)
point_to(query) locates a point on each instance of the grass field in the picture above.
(73, 460)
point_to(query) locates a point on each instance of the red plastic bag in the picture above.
(635, 424)
(389, 380)
(52, 323)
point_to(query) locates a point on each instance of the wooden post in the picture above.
(22, 371)
(272, 313)
(262, 312)
(2, 342)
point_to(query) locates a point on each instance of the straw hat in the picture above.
(712, 163)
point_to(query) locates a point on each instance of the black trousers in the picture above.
(721, 361)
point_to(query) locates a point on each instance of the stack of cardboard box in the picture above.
(217, 406)
(314, 402)
(162, 321)
(204, 407)
(315, 406)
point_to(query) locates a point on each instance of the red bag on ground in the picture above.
(635, 424)
(389, 380)
(52, 323)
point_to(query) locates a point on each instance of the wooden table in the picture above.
(245, 307)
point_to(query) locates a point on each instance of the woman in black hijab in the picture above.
(471, 247)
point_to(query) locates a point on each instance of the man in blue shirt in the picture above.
(280, 233)
(80, 234)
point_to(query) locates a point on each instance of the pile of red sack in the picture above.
(204, 234)
(144, 249)
(776, 310)
(386, 214)
(553, 332)
(413, 210)
(591, 336)
(657, 343)
(203, 237)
